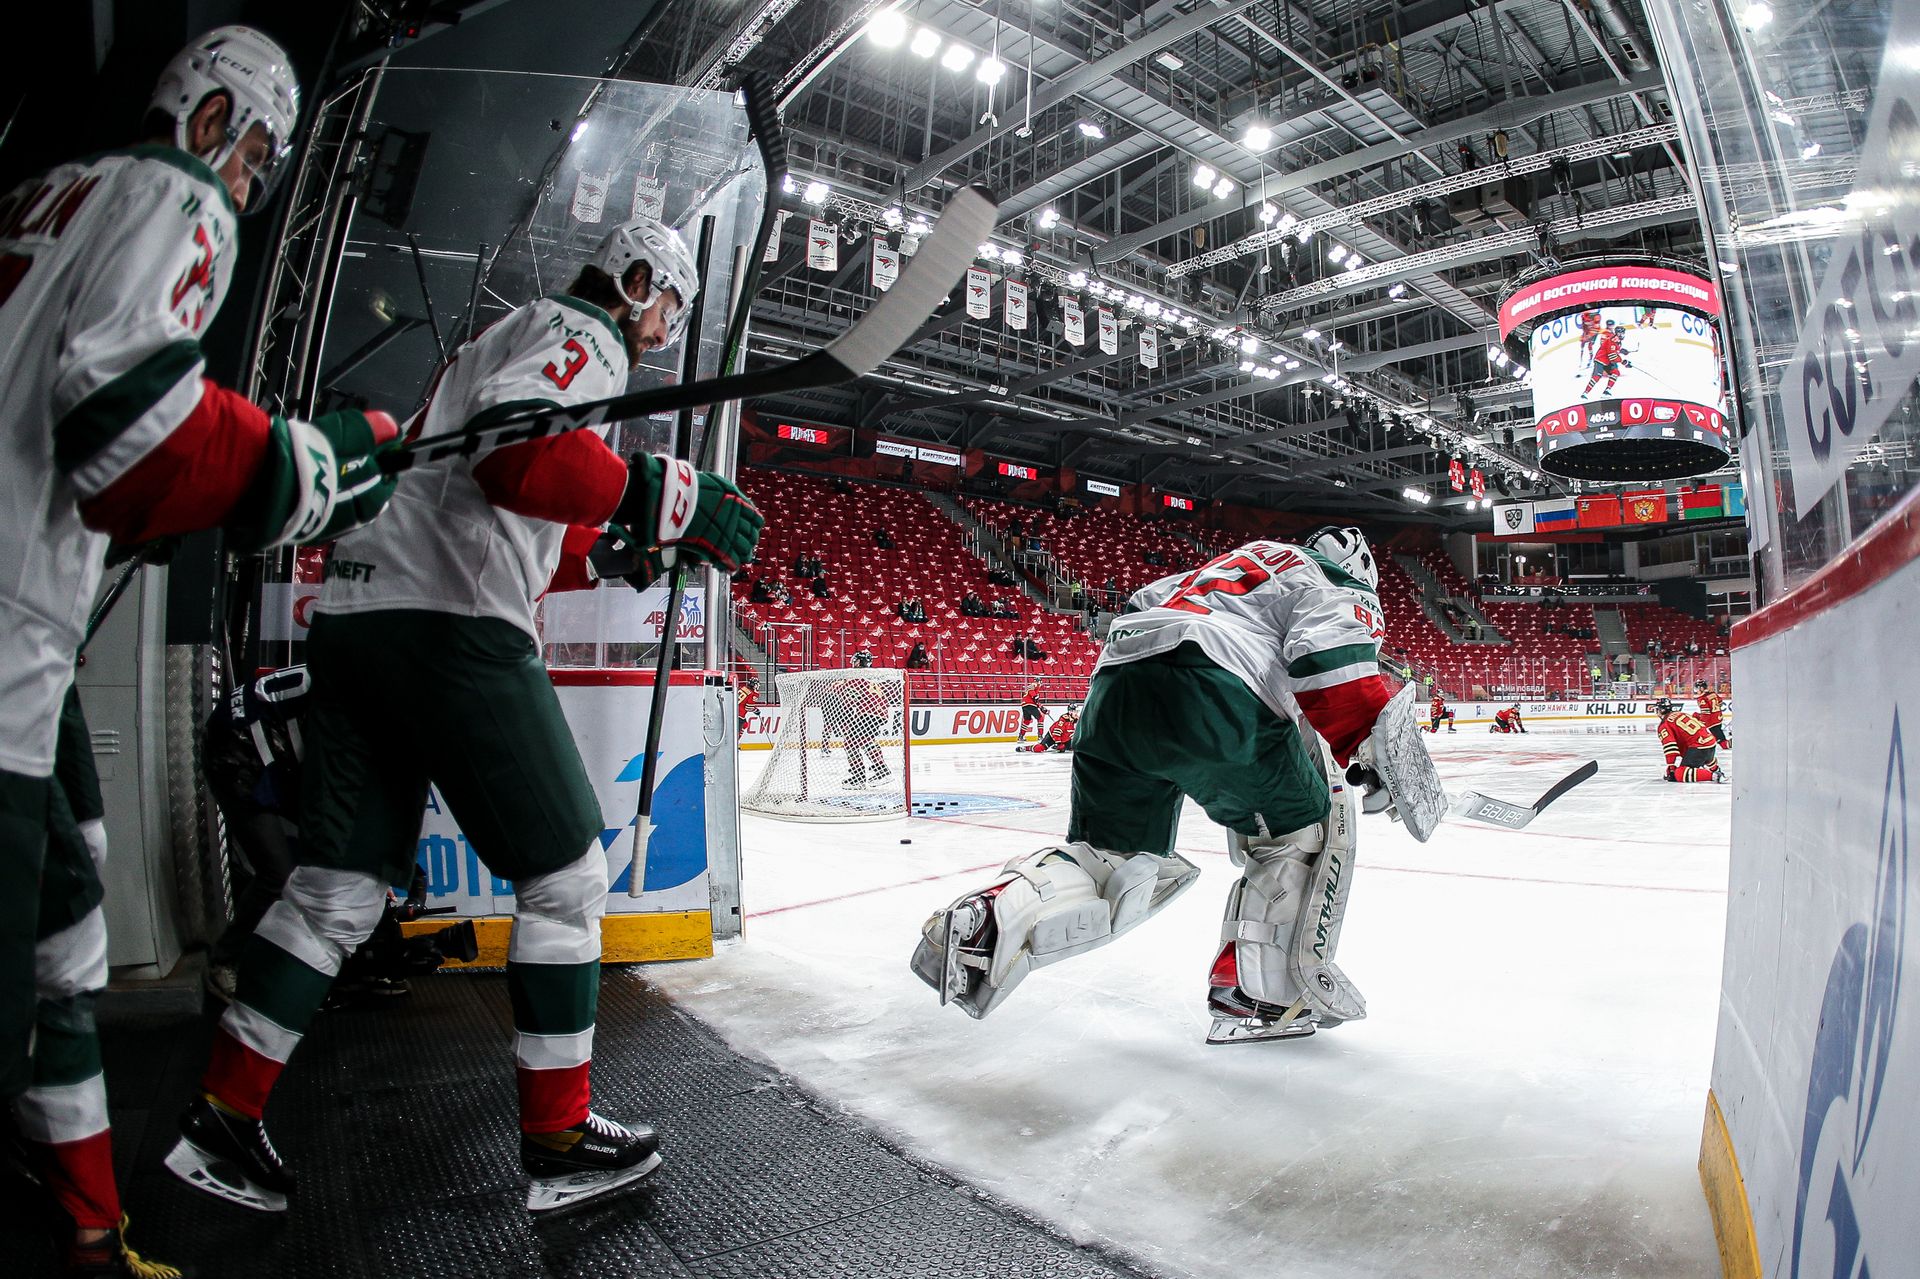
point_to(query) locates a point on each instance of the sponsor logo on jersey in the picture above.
(1853, 1203)
(349, 570)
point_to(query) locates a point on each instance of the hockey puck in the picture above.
(906, 841)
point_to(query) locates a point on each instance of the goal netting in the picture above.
(841, 753)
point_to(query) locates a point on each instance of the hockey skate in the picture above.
(576, 1165)
(229, 1156)
(966, 949)
(113, 1258)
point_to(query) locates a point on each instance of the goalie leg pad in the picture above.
(1045, 907)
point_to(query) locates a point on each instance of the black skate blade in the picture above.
(547, 1195)
(221, 1178)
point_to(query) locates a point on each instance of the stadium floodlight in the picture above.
(815, 192)
(1250, 344)
(991, 252)
(957, 57)
(926, 42)
(1355, 262)
(787, 184)
(1495, 356)
(1397, 291)
(1049, 218)
(1223, 188)
(1090, 129)
(1258, 137)
(1336, 345)
(990, 71)
(1757, 16)
(887, 28)
(1336, 253)
(1311, 335)
(1203, 176)
(1268, 212)
(892, 215)
(1012, 257)
(1247, 366)
(1292, 365)
(1304, 234)
(1077, 280)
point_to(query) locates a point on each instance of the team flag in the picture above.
(1644, 506)
(1703, 503)
(1735, 496)
(1555, 513)
(1512, 518)
(1600, 512)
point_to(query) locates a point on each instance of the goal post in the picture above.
(843, 752)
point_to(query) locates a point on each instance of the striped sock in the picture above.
(284, 974)
(553, 1012)
(64, 1111)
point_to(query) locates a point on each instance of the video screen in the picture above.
(1626, 364)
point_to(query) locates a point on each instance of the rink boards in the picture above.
(968, 723)
(1811, 1149)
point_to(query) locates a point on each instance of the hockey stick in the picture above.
(1475, 807)
(938, 266)
(763, 122)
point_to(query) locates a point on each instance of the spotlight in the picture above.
(1337, 254)
(990, 71)
(1049, 218)
(1311, 335)
(1757, 16)
(991, 252)
(1397, 291)
(1355, 262)
(892, 215)
(957, 57)
(815, 193)
(1223, 188)
(1012, 257)
(1203, 176)
(1259, 137)
(887, 28)
(926, 42)
(1090, 129)
(1077, 279)
(1304, 234)
(1268, 213)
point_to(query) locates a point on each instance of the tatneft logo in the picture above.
(1856, 1192)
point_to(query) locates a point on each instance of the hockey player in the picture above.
(749, 703)
(1270, 655)
(1712, 712)
(426, 671)
(1439, 713)
(1031, 711)
(111, 269)
(1689, 747)
(1609, 357)
(858, 707)
(1590, 323)
(1058, 735)
(1507, 720)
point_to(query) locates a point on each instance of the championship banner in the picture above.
(1073, 321)
(1109, 332)
(590, 197)
(1476, 483)
(1457, 475)
(1513, 518)
(1016, 304)
(886, 264)
(773, 241)
(823, 246)
(979, 293)
(1646, 506)
(649, 198)
(1149, 348)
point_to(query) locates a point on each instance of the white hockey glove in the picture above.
(1393, 761)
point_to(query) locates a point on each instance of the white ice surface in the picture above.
(1524, 1098)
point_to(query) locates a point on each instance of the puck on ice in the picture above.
(906, 841)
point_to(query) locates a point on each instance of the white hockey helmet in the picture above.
(257, 78)
(662, 249)
(1347, 547)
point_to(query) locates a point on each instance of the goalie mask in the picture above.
(666, 255)
(257, 79)
(1347, 547)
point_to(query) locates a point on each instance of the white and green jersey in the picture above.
(441, 545)
(110, 269)
(1292, 625)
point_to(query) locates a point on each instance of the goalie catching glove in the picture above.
(317, 480)
(699, 513)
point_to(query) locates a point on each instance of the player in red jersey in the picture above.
(1713, 709)
(1031, 709)
(749, 702)
(1439, 712)
(1507, 720)
(1589, 333)
(1058, 736)
(1689, 747)
(1609, 357)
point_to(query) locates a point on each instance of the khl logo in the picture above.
(1851, 1187)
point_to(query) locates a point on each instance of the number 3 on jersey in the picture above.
(576, 360)
(1228, 575)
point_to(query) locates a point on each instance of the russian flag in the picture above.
(1558, 512)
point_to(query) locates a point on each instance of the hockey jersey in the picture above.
(1298, 630)
(1682, 732)
(254, 737)
(1712, 707)
(442, 544)
(110, 269)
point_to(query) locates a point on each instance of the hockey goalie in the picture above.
(1271, 651)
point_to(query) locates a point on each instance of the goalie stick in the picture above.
(937, 268)
(1474, 807)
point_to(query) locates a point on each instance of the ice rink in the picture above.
(1524, 1099)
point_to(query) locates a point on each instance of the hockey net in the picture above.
(841, 753)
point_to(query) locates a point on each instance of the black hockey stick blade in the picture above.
(1475, 807)
(937, 268)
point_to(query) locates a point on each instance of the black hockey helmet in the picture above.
(1665, 706)
(863, 658)
(1699, 684)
